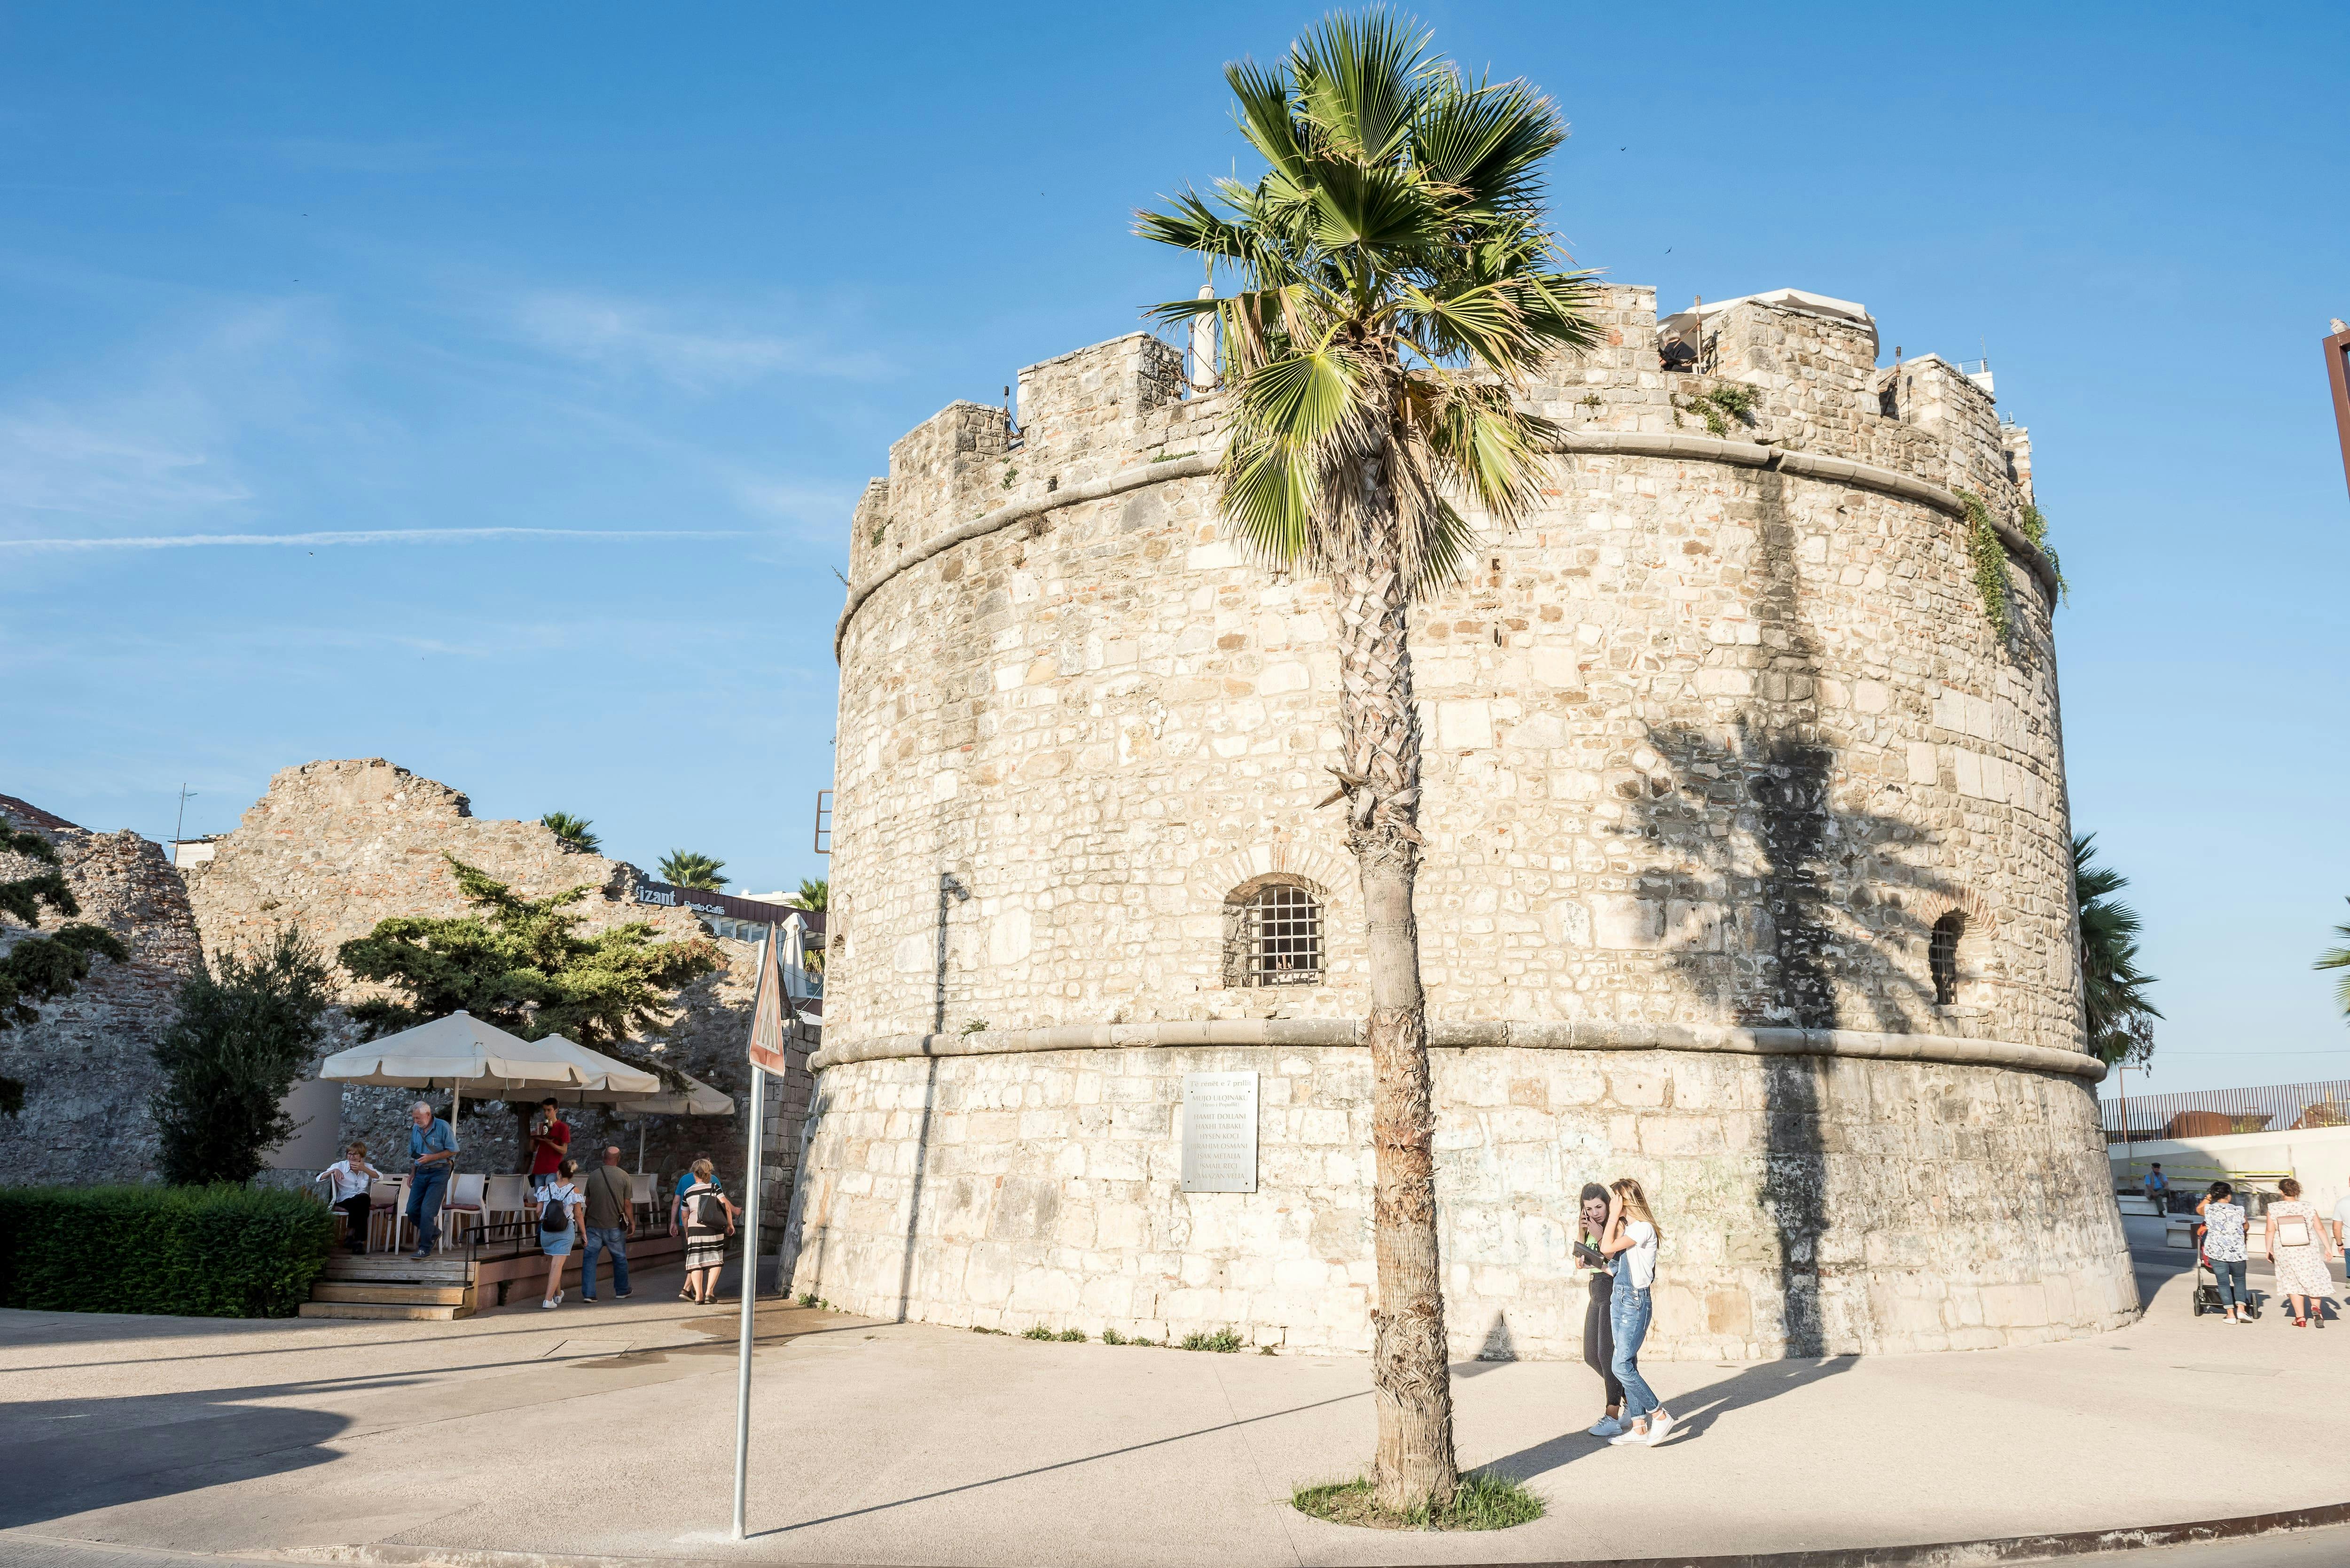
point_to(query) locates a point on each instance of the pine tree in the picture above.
(522, 965)
(43, 968)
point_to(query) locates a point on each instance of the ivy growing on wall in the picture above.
(1990, 558)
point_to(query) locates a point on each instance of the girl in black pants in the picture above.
(1598, 1337)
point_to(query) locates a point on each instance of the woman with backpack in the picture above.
(2298, 1245)
(709, 1220)
(559, 1214)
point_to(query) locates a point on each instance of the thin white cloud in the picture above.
(365, 537)
(625, 337)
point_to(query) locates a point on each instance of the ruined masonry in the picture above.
(1748, 875)
(332, 848)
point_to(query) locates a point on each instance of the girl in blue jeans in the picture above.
(1631, 1239)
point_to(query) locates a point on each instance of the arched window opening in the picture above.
(1281, 936)
(1942, 957)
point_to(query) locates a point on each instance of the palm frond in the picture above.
(2338, 958)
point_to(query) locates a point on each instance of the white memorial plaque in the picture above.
(1220, 1132)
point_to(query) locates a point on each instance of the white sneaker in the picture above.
(548, 1306)
(1660, 1426)
(1606, 1427)
(1628, 1436)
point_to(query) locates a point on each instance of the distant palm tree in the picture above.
(2339, 958)
(684, 869)
(812, 894)
(2120, 1018)
(1395, 283)
(571, 832)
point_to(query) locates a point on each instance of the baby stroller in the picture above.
(2207, 1290)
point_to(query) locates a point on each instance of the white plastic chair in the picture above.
(464, 1200)
(641, 1193)
(384, 1196)
(507, 1197)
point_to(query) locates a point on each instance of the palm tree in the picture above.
(2339, 958)
(684, 869)
(813, 893)
(1393, 282)
(2120, 1018)
(571, 832)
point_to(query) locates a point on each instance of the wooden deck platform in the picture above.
(449, 1285)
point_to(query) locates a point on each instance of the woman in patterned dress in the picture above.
(2299, 1246)
(709, 1220)
(2223, 1247)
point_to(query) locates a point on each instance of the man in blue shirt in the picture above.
(2157, 1189)
(434, 1149)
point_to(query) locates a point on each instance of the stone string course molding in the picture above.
(1706, 448)
(1714, 742)
(1443, 1035)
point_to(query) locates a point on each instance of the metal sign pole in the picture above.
(750, 1271)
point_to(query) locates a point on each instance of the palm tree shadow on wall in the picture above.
(1789, 908)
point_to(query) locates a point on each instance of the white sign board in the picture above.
(1220, 1132)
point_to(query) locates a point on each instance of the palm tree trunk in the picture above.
(1414, 1464)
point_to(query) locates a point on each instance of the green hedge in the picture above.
(189, 1251)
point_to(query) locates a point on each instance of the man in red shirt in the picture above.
(550, 1140)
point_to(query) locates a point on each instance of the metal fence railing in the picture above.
(2209, 1113)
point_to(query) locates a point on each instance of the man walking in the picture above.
(611, 1220)
(432, 1149)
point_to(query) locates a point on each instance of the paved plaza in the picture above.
(607, 1430)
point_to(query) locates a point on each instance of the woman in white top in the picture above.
(559, 1216)
(1631, 1239)
(2223, 1248)
(349, 1177)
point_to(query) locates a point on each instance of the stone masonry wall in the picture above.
(86, 1064)
(1706, 744)
(1929, 1207)
(335, 847)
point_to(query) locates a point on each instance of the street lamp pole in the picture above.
(2337, 375)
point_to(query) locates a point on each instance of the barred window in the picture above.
(1942, 957)
(1284, 937)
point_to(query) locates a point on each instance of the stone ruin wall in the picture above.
(86, 1063)
(332, 848)
(1711, 744)
(335, 847)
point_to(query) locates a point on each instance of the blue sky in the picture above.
(677, 277)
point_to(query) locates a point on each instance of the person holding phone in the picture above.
(1630, 1239)
(1598, 1338)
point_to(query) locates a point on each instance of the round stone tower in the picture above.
(1747, 875)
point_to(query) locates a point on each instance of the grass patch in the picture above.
(1037, 1331)
(1223, 1341)
(1071, 1337)
(1481, 1501)
(1111, 1336)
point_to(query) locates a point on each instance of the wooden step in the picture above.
(440, 1269)
(379, 1310)
(391, 1292)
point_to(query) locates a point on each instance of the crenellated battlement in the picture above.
(1808, 362)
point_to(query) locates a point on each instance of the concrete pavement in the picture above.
(606, 1431)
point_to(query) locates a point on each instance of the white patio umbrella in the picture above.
(466, 1056)
(696, 1099)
